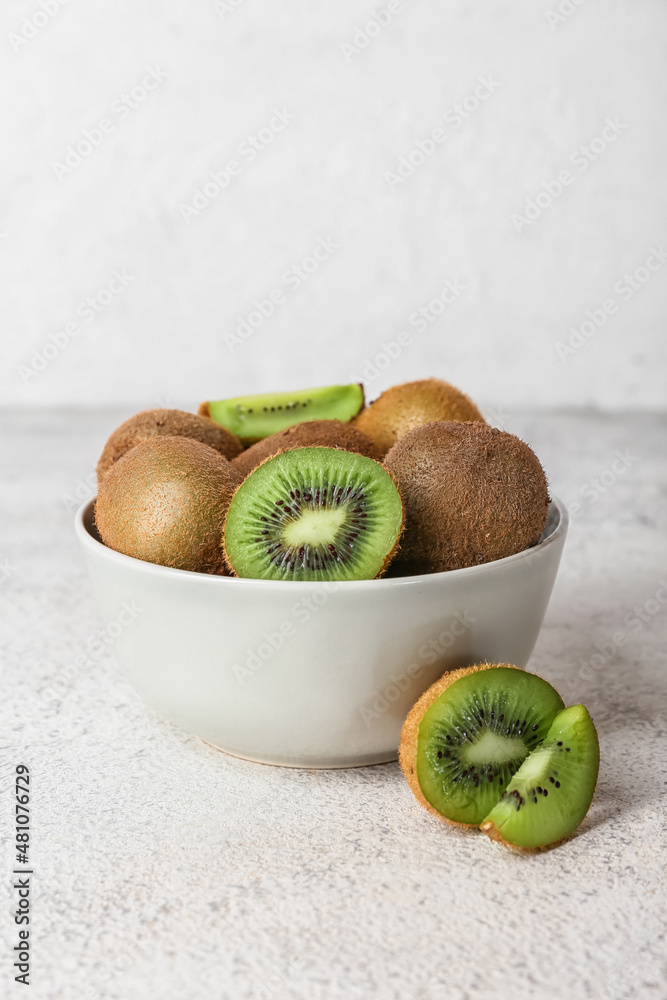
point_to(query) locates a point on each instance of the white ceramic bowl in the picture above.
(311, 674)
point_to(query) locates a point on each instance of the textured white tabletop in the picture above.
(165, 869)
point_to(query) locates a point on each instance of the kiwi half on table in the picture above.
(252, 418)
(495, 747)
(314, 514)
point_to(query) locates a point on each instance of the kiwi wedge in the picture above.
(404, 407)
(551, 792)
(312, 434)
(494, 746)
(252, 418)
(472, 494)
(165, 502)
(314, 514)
(165, 423)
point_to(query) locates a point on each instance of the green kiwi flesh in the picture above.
(551, 792)
(314, 514)
(475, 736)
(165, 501)
(252, 418)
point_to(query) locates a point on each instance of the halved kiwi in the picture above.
(165, 423)
(165, 501)
(312, 434)
(492, 745)
(314, 514)
(252, 418)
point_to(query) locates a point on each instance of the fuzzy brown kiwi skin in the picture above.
(472, 493)
(390, 556)
(310, 434)
(166, 423)
(164, 501)
(407, 751)
(403, 407)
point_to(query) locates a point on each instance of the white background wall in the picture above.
(356, 111)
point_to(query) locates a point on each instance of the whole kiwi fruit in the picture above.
(404, 407)
(472, 494)
(166, 423)
(165, 502)
(312, 434)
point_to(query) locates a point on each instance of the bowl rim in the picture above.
(98, 549)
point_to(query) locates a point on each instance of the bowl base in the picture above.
(311, 763)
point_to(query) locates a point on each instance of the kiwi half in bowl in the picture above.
(314, 514)
(494, 746)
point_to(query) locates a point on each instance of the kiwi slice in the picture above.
(252, 418)
(492, 745)
(551, 792)
(314, 514)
